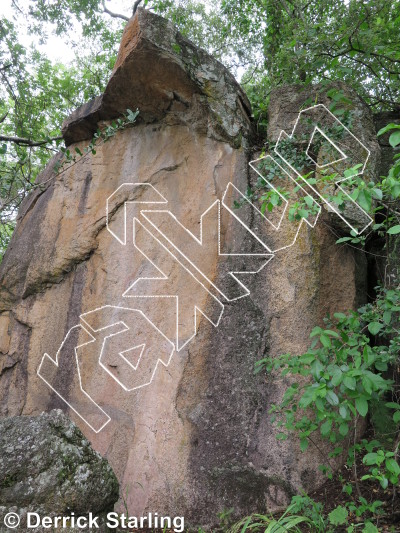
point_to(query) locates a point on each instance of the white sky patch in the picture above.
(60, 48)
(56, 47)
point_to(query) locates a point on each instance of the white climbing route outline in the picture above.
(117, 332)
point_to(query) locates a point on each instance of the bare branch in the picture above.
(15, 4)
(114, 15)
(135, 6)
(27, 142)
(381, 56)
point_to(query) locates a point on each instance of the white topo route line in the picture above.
(115, 335)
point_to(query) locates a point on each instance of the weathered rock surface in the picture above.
(359, 145)
(198, 439)
(47, 466)
(167, 78)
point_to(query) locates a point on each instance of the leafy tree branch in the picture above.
(28, 142)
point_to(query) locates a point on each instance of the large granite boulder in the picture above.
(48, 467)
(168, 79)
(189, 436)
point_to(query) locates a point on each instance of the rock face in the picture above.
(48, 467)
(189, 436)
(360, 145)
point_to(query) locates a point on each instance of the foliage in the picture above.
(278, 42)
(348, 375)
(288, 521)
(312, 518)
(225, 517)
(273, 187)
(101, 136)
(347, 368)
(303, 514)
(390, 185)
(336, 384)
(312, 41)
(35, 96)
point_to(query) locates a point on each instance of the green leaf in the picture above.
(392, 405)
(367, 384)
(377, 193)
(394, 139)
(365, 199)
(362, 405)
(370, 528)
(370, 458)
(379, 365)
(303, 444)
(336, 376)
(325, 340)
(387, 317)
(392, 466)
(350, 382)
(317, 368)
(331, 333)
(132, 115)
(316, 331)
(338, 516)
(326, 427)
(394, 230)
(389, 127)
(245, 525)
(374, 327)
(309, 201)
(332, 398)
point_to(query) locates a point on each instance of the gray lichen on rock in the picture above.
(47, 466)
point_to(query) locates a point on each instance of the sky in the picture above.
(55, 47)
